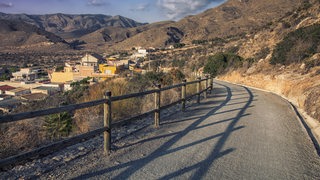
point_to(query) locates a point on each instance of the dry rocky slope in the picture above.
(99, 32)
(231, 18)
(17, 36)
(296, 82)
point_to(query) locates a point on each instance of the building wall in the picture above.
(110, 70)
(49, 91)
(61, 77)
(89, 60)
(86, 71)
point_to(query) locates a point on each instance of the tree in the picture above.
(58, 125)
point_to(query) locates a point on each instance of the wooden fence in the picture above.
(106, 129)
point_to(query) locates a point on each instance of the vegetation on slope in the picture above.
(24, 135)
(297, 46)
(222, 62)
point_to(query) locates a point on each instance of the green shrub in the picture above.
(179, 45)
(297, 46)
(222, 62)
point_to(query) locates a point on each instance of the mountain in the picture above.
(72, 26)
(16, 35)
(233, 17)
(147, 36)
(98, 32)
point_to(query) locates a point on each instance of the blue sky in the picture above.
(139, 10)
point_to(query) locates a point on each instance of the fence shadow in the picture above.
(200, 168)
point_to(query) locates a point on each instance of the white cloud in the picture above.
(178, 8)
(140, 7)
(96, 3)
(5, 5)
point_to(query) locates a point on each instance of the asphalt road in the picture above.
(237, 133)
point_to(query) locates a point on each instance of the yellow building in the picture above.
(62, 77)
(108, 70)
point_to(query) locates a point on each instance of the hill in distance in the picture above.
(17, 35)
(73, 26)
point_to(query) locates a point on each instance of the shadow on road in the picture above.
(201, 168)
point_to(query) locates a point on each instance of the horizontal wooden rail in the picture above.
(108, 124)
(26, 115)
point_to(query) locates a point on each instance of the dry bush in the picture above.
(87, 119)
(170, 96)
(21, 136)
(147, 103)
(92, 118)
(191, 89)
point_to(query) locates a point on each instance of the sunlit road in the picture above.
(237, 133)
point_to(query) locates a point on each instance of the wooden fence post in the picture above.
(157, 99)
(107, 122)
(211, 84)
(206, 87)
(198, 89)
(183, 95)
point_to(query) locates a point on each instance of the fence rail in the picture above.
(106, 130)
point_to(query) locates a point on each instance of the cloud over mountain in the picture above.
(178, 8)
(5, 5)
(96, 3)
(140, 7)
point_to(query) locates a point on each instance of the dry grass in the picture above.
(300, 88)
(21, 136)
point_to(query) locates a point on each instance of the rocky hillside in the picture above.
(234, 17)
(17, 35)
(287, 58)
(231, 18)
(71, 26)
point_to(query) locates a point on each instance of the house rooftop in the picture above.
(18, 89)
(44, 88)
(34, 97)
(6, 88)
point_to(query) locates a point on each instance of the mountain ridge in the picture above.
(73, 25)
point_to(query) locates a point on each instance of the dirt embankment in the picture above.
(298, 85)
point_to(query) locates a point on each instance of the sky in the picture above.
(139, 10)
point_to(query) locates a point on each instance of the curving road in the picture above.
(237, 133)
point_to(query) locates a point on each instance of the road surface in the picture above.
(237, 133)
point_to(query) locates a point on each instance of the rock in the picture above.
(67, 159)
(57, 158)
(81, 148)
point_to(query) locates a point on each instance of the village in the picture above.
(35, 83)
